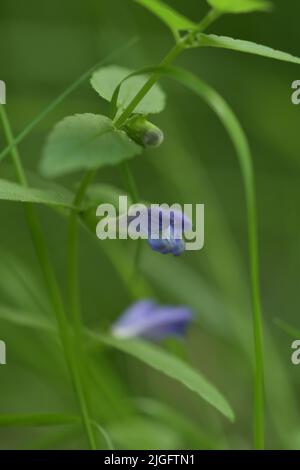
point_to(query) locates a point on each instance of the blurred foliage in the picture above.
(45, 48)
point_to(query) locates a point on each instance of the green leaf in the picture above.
(174, 20)
(106, 80)
(239, 6)
(211, 40)
(173, 367)
(10, 191)
(83, 142)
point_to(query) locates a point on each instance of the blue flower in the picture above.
(164, 229)
(148, 320)
(169, 225)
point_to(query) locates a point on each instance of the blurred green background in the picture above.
(44, 47)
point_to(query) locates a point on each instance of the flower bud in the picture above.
(143, 132)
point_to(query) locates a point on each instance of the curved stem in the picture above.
(169, 58)
(212, 16)
(240, 142)
(51, 285)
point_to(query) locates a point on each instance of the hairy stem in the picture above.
(51, 284)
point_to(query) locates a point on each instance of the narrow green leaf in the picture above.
(106, 79)
(211, 40)
(10, 191)
(83, 142)
(173, 367)
(240, 6)
(174, 20)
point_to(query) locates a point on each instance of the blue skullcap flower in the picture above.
(169, 225)
(165, 229)
(148, 320)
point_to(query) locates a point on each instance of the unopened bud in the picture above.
(143, 132)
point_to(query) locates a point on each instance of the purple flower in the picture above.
(148, 320)
(164, 229)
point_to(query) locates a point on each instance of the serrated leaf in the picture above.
(83, 142)
(10, 191)
(240, 6)
(174, 368)
(224, 42)
(174, 20)
(106, 80)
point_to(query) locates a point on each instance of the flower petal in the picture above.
(146, 319)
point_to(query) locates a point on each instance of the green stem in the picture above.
(169, 58)
(51, 284)
(132, 189)
(129, 182)
(252, 234)
(212, 16)
(257, 323)
(74, 297)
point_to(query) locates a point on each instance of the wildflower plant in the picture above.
(84, 143)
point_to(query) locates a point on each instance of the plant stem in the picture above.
(51, 284)
(252, 234)
(168, 60)
(132, 189)
(74, 297)
(210, 18)
(129, 181)
(257, 322)
(73, 277)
